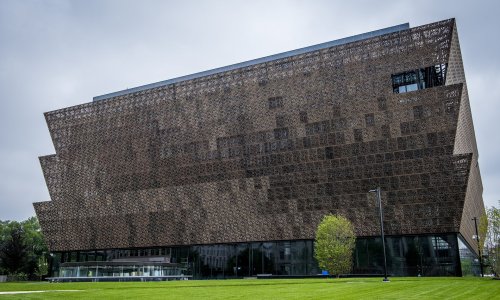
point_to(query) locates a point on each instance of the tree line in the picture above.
(23, 252)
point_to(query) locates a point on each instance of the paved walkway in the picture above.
(30, 292)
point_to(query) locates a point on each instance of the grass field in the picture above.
(349, 288)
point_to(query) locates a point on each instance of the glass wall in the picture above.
(252, 259)
(200, 261)
(419, 255)
(469, 261)
(416, 255)
(95, 271)
(419, 79)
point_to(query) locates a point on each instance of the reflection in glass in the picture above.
(411, 255)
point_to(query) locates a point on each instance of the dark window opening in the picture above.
(419, 79)
(370, 120)
(358, 135)
(339, 138)
(281, 133)
(329, 153)
(275, 102)
(386, 131)
(336, 111)
(418, 112)
(306, 141)
(303, 116)
(405, 128)
(382, 103)
(280, 121)
(432, 139)
(318, 127)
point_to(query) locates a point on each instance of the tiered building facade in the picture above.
(227, 172)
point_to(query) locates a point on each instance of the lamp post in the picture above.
(478, 248)
(379, 199)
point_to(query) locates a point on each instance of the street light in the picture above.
(379, 198)
(476, 237)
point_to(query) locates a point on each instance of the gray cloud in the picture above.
(55, 54)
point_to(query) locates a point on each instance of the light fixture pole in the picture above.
(379, 199)
(478, 248)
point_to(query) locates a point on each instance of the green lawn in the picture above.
(349, 288)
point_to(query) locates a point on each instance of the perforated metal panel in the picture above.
(262, 152)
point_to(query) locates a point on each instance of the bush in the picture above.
(18, 277)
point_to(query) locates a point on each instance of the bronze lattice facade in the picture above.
(261, 151)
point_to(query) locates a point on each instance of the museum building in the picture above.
(226, 173)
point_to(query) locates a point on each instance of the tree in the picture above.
(483, 230)
(35, 243)
(334, 245)
(21, 246)
(42, 267)
(13, 254)
(492, 240)
(33, 236)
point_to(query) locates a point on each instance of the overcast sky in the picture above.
(55, 54)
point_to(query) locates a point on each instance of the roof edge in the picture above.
(264, 59)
